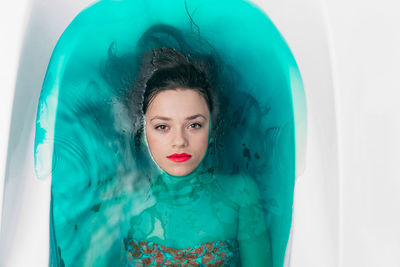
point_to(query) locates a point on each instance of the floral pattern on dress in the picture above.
(211, 254)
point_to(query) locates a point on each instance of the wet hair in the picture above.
(171, 70)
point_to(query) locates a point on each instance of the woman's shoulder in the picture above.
(241, 187)
(238, 181)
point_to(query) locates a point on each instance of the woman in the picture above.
(194, 217)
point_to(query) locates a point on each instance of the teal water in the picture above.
(105, 188)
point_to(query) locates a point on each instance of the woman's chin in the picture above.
(179, 171)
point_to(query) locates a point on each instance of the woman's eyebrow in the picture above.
(194, 117)
(188, 118)
(160, 118)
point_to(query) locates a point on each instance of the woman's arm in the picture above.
(253, 235)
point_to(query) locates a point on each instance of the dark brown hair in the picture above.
(172, 70)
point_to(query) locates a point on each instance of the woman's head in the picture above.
(170, 70)
(177, 104)
(177, 130)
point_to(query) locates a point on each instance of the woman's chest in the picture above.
(182, 222)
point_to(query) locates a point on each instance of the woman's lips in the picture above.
(179, 157)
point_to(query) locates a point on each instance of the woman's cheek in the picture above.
(204, 142)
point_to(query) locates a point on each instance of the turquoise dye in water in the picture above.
(104, 186)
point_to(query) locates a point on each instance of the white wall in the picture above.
(10, 47)
(366, 40)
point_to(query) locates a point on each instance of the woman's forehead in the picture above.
(179, 103)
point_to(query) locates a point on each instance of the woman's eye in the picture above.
(195, 125)
(161, 127)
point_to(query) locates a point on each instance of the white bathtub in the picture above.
(346, 202)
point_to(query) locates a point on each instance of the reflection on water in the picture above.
(105, 188)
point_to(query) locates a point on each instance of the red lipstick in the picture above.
(179, 157)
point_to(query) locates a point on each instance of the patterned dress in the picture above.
(148, 253)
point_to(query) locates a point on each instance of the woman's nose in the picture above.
(179, 138)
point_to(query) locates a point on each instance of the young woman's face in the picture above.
(177, 123)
